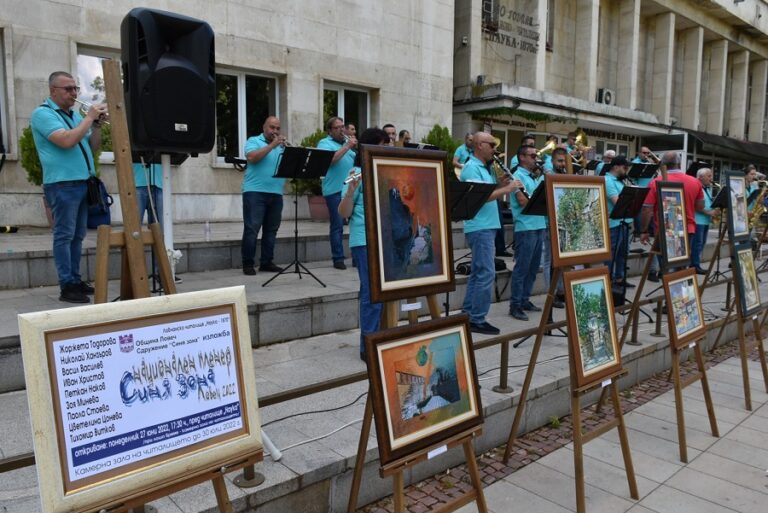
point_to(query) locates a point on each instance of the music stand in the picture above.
(298, 163)
(720, 202)
(628, 206)
(694, 167)
(606, 168)
(592, 165)
(642, 170)
(465, 199)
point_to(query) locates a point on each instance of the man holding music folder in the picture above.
(480, 232)
(614, 184)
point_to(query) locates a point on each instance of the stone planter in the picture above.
(318, 210)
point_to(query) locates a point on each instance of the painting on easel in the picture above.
(684, 307)
(591, 325)
(673, 224)
(738, 215)
(423, 385)
(748, 290)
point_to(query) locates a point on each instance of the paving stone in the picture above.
(505, 497)
(732, 471)
(694, 421)
(668, 430)
(699, 407)
(720, 492)
(652, 445)
(741, 453)
(747, 436)
(666, 499)
(647, 466)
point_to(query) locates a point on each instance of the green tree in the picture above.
(440, 136)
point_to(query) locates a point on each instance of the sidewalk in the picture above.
(726, 474)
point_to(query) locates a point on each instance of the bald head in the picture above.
(271, 128)
(671, 159)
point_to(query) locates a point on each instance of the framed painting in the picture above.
(408, 229)
(738, 214)
(594, 348)
(686, 317)
(578, 228)
(424, 385)
(746, 276)
(670, 204)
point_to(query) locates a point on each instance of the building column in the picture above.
(692, 62)
(663, 67)
(757, 105)
(629, 51)
(737, 118)
(540, 82)
(585, 53)
(716, 98)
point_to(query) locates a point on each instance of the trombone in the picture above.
(86, 105)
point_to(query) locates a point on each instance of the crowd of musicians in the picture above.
(66, 138)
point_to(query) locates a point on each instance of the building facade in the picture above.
(684, 75)
(371, 63)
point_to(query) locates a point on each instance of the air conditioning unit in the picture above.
(606, 96)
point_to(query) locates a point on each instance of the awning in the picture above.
(730, 147)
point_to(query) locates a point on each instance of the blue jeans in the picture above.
(370, 313)
(337, 226)
(69, 205)
(527, 257)
(698, 243)
(546, 263)
(477, 300)
(142, 197)
(261, 211)
(619, 240)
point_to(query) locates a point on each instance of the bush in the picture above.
(440, 136)
(30, 161)
(313, 186)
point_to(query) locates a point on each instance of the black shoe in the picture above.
(71, 293)
(484, 328)
(339, 264)
(699, 270)
(249, 271)
(504, 254)
(654, 277)
(270, 268)
(558, 304)
(518, 313)
(530, 307)
(85, 288)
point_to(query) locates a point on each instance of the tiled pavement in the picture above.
(726, 474)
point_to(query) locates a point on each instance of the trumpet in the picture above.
(87, 106)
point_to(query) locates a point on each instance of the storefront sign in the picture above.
(508, 25)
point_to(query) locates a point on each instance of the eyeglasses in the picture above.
(492, 144)
(69, 89)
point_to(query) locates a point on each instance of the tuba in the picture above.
(546, 150)
(758, 209)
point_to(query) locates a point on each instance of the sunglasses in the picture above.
(69, 89)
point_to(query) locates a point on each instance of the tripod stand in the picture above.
(300, 164)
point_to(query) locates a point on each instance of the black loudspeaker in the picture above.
(169, 82)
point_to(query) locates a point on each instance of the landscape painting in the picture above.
(579, 230)
(426, 381)
(738, 215)
(686, 317)
(592, 328)
(749, 293)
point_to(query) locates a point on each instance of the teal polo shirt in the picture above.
(641, 182)
(488, 216)
(523, 222)
(462, 154)
(155, 174)
(357, 219)
(60, 164)
(613, 187)
(704, 219)
(339, 170)
(752, 188)
(259, 175)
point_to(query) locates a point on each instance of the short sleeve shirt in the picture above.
(259, 176)
(60, 164)
(339, 170)
(524, 222)
(704, 219)
(357, 219)
(488, 216)
(613, 187)
(155, 174)
(462, 154)
(692, 190)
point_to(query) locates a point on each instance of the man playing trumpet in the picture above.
(65, 143)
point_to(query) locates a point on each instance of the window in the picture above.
(551, 25)
(90, 78)
(5, 145)
(243, 103)
(352, 105)
(491, 15)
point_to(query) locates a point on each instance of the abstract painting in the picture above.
(671, 213)
(423, 384)
(686, 317)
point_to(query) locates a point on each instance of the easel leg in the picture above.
(399, 494)
(102, 264)
(532, 364)
(679, 407)
(578, 453)
(362, 446)
(743, 355)
(705, 388)
(126, 287)
(474, 475)
(760, 350)
(434, 306)
(222, 497)
(628, 466)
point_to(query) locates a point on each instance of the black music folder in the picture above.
(537, 203)
(465, 199)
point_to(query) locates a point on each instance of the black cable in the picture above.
(559, 357)
(315, 411)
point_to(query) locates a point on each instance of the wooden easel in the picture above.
(131, 241)
(396, 468)
(579, 438)
(744, 349)
(679, 385)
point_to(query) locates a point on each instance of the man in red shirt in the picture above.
(692, 190)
